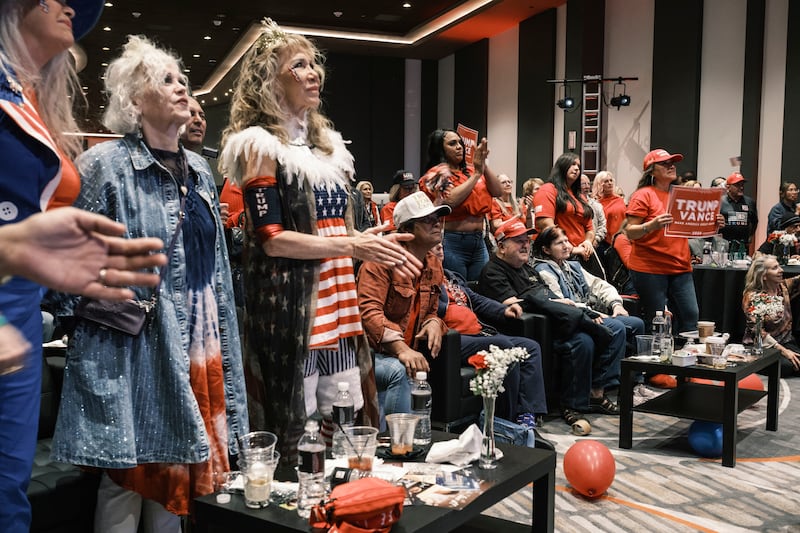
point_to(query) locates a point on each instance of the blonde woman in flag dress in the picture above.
(302, 329)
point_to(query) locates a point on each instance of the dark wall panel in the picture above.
(365, 98)
(753, 84)
(677, 48)
(472, 86)
(790, 165)
(537, 47)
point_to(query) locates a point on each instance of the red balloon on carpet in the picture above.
(589, 467)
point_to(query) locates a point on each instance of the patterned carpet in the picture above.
(662, 485)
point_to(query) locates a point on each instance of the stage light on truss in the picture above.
(622, 99)
(566, 102)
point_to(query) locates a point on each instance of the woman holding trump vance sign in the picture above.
(660, 266)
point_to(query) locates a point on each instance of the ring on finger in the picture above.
(101, 276)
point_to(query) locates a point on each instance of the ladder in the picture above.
(590, 124)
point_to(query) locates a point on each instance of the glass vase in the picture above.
(758, 340)
(783, 254)
(488, 459)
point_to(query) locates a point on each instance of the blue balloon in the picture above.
(705, 438)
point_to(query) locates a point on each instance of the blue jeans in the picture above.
(524, 382)
(20, 396)
(677, 290)
(584, 368)
(465, 253)
(394, 386)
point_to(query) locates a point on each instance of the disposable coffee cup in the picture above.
(705, 329)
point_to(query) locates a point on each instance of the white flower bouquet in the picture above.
(766, 306)
(491, 368)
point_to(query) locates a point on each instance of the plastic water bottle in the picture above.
(343, 416)
(421, 405)
(659, 331)
(310, 469)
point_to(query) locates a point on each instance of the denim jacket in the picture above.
(128, 400)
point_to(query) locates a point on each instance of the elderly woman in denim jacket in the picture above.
(568, 279)
(161, 411)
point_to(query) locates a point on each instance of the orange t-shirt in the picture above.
(614, 209)
(572, 221)
(387, 215)
(654, 253)
(503, 212)
(458, 315)
(232, 195)
(479, 201)
(69, 187)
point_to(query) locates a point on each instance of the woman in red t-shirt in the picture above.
(561, 202)
(613, 205)
(468, 190)
(660, 266)
(506, 206)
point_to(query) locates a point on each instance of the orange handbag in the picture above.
(367, 505)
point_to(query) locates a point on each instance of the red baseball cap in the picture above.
(660, 156)
(511, 228)
(734, 178)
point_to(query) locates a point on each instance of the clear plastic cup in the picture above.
(258, 473)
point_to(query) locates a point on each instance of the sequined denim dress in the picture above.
(128, 400)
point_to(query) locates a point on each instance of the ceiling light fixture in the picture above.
(107, 28)
(136, 14)
(253, 32)
(406, 5)
(108, 4)
(207, 37)
(195, 55)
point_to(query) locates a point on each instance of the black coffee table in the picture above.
(696, 401)
(518, 467)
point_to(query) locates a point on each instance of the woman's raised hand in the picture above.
(387, 251)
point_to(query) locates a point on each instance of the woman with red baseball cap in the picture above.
(660, 266)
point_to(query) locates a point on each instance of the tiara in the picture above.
(271, 34)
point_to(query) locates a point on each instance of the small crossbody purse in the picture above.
(127, 316)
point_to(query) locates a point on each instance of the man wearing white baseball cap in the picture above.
(397, 312)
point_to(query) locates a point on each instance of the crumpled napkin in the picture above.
(461, 451)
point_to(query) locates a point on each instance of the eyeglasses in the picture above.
(430, 219)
